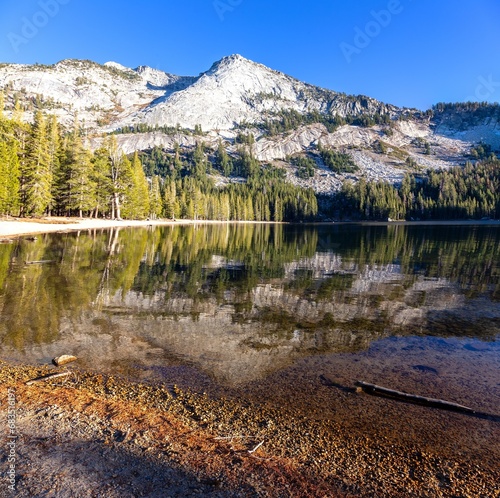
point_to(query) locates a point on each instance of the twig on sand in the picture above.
(225, 438)
(256, 448)
(48, 377)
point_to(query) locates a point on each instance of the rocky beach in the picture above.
(89, 434)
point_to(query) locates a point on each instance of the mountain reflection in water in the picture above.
(238, 302)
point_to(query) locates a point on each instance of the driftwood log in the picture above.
(412, 398)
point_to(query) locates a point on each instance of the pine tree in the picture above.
(248, 213)
(225, 207)
(18, 113)
(155, 202)
(9, 179)
(178, 164)
(223, 161)
(120, 175)
(36, 172)
(170, 200)
(200, 162)
(56, 154)
(101, 176)
(9, 168)
(60, 180)
(81, 187)
(278, 209)
(136, 198)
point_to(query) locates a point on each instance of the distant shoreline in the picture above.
(21, 227)
(414, 223)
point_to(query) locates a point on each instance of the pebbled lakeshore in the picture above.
(95, 435)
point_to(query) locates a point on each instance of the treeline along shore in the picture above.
(47, 170)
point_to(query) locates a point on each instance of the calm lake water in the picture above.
(243, 306)
(281, 317)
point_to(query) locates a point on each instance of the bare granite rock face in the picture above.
(237, 92)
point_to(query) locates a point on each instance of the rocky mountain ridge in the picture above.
(232, 91)
(153, 108)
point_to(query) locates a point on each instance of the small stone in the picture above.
(62, 360)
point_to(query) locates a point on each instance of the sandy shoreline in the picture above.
(18, 227)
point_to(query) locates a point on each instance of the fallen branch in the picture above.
(40, 262)
(412, 398)
(48, 377)
(327, 381)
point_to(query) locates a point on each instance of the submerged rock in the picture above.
(63, 360)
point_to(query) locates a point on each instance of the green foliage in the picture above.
(306, 166)
(156, 203)
(380, 147)
(481, 151)
(9, 179)
(245, 138)
(82, 80)
(222, 160)
(43, 171)
(102, 180)
(120, 175)
(189, 192)
(411, 162)
(36, 172)
(157, 162)
(338, 162)
(470, 192)
(136, 199)
(167, 130)
(463, 115)
(289, 119)
(199, 162)
(80, 187)
(481, 109)
(9, 168)
(286, 120)
(246, 165)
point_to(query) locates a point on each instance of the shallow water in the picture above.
(229, 308)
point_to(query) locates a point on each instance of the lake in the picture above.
(267, 312)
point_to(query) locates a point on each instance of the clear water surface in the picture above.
(245, 307)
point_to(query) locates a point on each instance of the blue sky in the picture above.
(407, 52)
